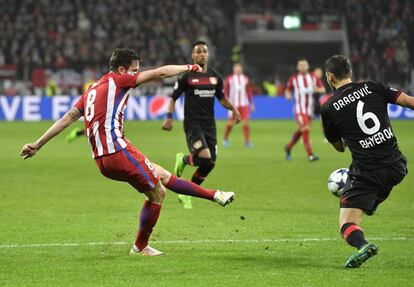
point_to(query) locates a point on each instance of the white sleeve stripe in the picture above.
(109, 111)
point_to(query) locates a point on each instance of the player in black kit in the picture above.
(356, 116)
(199, 124)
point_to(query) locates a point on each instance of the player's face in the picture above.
(200, 55)
(303, 66)
(133, 68)
(237, 69)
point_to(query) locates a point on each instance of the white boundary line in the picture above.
(212, 241)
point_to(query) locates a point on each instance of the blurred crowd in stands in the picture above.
(380, 33)
(76, 37)
(54, 47)
(381, 37)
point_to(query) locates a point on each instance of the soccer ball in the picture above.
(337, 180)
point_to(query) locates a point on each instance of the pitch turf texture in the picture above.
(63, 224)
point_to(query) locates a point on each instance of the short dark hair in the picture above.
(199, 43)
(340, 66)
(122, 57)
(302, 59)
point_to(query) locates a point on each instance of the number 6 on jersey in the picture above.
(362, 118)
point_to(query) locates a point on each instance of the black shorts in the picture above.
(199, 138)
(363, 186)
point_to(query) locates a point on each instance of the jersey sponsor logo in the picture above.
(377, 138)
(203, 81)
(205, 93)
(350, 98)
(157, 107)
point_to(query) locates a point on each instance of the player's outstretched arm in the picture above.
(166, 72)
(225, 103)
(168, 123)
(405, 101)
(31, 149)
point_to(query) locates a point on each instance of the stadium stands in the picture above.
(70, 42)
(80, 35)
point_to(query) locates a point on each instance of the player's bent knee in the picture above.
(204, 153)
(157, 195)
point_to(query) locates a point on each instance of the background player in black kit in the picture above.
(356, 116)
(199, 124)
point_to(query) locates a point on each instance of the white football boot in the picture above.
(147, 251)
(223, 197)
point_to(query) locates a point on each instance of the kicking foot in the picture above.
(362, 255)
(179, 164)
(147, 251)
(313, 157)
(73, 135)
(186, 201)
(288, 154)
(226, 143)
(223, 197)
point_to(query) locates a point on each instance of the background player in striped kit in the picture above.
(237, 90)
(303, 85)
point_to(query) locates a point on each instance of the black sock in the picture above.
(353, 235)
(192, 160)
(197, 179)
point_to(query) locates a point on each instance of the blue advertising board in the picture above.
(36, 108)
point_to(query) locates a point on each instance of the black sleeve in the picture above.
(330, 129)
(179, 87)
(388, 93)
(219, 87)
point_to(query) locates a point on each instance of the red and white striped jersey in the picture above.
(303, 87)
(237, 90)
(103, 105)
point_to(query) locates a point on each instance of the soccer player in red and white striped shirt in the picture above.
(303, 85)
(237, 90)
(102, 107)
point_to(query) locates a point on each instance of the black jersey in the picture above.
(200, 90)
(357, 113)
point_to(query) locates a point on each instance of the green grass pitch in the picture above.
(280, 231)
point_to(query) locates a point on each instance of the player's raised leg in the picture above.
(349, 222)
(185, 187)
